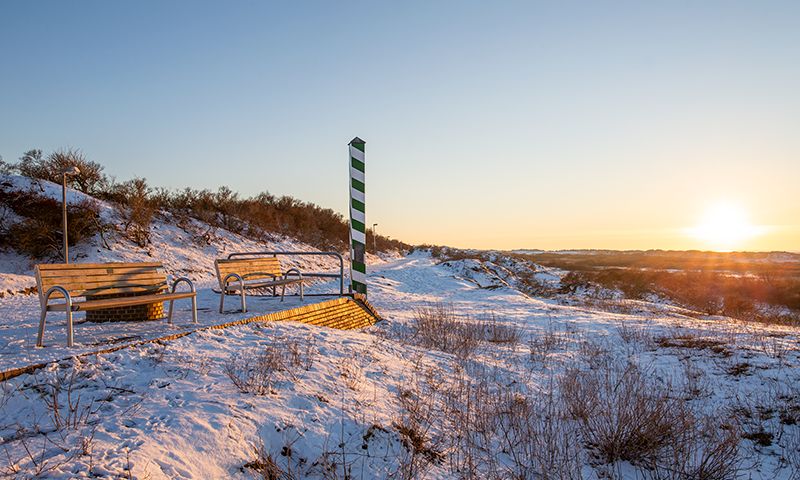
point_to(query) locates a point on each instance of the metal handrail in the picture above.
(329, 254)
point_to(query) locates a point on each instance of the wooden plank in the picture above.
(239, 263)
(234, 286)
(263, 262)
(110, 280)
(98, 271)
(249, 260)
(120, 302)
(78, 266)
(261, 268)
(250, 266)
(78, 293)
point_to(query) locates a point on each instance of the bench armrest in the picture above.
(293, 271)
(180, 280)
(63, 291)
(228, 277)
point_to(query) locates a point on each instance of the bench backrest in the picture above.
(253, 268)
(83, 279)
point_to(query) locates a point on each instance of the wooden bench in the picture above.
(127, 283)
(237, 275)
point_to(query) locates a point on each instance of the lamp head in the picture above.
(70, 171)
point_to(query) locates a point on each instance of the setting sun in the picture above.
(725, 227)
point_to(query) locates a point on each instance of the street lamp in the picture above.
(374, 238)
(69, 171)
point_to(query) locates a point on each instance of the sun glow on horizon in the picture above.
(725, 227)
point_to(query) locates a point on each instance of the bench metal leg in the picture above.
(40, 336)
(222, 302)
(69, 328)
(301, 292)
(283, 291)
(194, 310)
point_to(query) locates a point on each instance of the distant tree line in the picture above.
(259, 217)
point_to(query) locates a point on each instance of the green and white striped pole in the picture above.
(358, 221)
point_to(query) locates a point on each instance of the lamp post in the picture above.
(374, 238)
(69, 171)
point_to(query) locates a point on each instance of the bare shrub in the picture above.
(537, 438)
(34, 164)
(440, 327)
(496, 332)
(484, 427)
(707, 450)
(65, 405)
(420, 401)
(633, 334)
(621, 415)
(301, 354)
(695, 383)
(595, 355)
(39, 233)
(546, 342)
(689, 341)
(264, 465)
(136, 208)
(255, 372)
(352, 373)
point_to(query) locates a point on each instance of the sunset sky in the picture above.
(623, 125)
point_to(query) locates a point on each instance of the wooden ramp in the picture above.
(344, 313)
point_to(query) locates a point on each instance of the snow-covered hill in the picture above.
(185, 248)
(539, 390)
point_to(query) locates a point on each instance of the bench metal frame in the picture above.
(281, 281)
(71, 307)
(339, 275)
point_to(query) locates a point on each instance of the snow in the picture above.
(170, 411)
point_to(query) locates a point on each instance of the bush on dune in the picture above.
(38, 235)
(258, 217)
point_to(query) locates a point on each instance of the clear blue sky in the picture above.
(505, 124)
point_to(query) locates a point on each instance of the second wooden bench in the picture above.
(237, 275)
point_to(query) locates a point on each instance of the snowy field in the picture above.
(551, 391)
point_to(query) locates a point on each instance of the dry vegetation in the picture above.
(257, 371)
(38, 234)
(259, 217)
(743, 285)
(598, 408)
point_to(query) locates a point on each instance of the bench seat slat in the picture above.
(110, 290)
(234, 286)
(119, 302)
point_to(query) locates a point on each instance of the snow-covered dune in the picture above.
(379, 404)
(185, 248)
